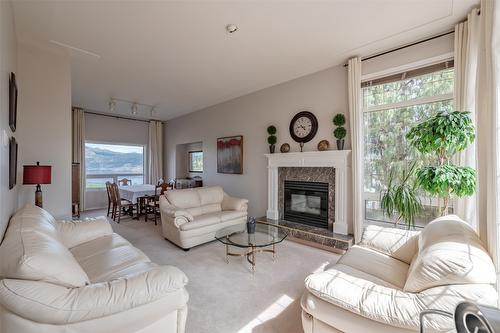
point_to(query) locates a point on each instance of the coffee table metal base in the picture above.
(250, 254)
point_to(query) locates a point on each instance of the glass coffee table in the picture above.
(265, 236)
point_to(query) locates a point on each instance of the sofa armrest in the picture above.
(231, 203)
(54, 304)
(75, 232)
(172, 214)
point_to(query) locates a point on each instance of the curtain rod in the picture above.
(405, 46)
(118, 117)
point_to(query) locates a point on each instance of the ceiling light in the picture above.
(231, 28)
(112, 105)
(134, 109)
(152, 111)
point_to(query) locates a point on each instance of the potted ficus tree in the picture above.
(271, 139)
(441, 137)
(340, 132)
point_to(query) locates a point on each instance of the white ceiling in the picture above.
(177, 56)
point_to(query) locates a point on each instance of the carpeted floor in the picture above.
(228, 298)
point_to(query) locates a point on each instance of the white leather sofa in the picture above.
(382, 284)
(79, 276)
(191, 217)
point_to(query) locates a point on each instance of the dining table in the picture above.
(133, 193)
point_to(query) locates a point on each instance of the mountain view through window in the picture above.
(110, 162)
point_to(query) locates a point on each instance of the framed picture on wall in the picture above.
(230, 154)
(12, 163)
(12, 102)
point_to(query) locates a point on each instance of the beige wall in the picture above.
(8, 198)
(323, 93)
(44, 123)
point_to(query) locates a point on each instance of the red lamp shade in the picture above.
(37, 174)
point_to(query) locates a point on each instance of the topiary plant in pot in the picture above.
(340, 132)
(442, 136)
(271, 139)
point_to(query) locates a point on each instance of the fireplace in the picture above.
(306, 202)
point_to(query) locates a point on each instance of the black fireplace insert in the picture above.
(306, 203)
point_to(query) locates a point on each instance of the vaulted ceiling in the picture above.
(178, 57)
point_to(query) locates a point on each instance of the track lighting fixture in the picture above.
(134, 109)
(112, 105)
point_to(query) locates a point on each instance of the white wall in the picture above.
(112, 130)
(8, 53)
(323, 93)
(44, 123)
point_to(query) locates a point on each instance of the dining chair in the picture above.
(153, 203)
(120, 205)
(125, 182)
(108, 192)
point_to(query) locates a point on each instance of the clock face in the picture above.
(303, 126)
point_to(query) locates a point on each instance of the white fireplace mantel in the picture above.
(340, 160)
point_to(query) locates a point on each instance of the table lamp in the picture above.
(36, 175)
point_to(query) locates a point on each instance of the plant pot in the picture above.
(251, 228)
(340, 144)
(272, 148)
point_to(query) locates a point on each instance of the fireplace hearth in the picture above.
(306, 202)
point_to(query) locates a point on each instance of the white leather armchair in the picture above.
(190, 217)
(78, 276)
(382, 284)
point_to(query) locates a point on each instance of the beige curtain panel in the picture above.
(155, 151)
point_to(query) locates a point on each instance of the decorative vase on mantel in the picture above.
(340, 144)
(272, 148)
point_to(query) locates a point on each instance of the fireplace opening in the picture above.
(306, 203)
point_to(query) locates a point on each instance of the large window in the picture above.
(196, 161)
(390, 108)
(111, 162)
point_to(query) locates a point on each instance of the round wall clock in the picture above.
(303, 127)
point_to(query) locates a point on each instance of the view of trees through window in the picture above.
(390, 110)
(111, 162)
(195, 161)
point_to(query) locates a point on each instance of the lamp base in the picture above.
(38, 196)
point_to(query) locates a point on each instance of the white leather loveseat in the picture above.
(192, 216)
(382, 284)
(81, 277)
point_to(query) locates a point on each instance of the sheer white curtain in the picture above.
(477, 90)
(356, 123)
(78, 151)
(155, 151)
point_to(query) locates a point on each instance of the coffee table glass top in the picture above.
(237, 235)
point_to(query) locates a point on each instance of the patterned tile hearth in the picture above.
(317, 237)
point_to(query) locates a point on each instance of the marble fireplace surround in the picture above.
(308, 174)
(338, 160)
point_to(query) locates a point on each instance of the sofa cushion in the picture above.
(376, 264)
(232, 214)
(110, 255)
(364, 296)
(210, 195)
(211, 208)
(202, 221)
(401, 244)
(450, 252)
(186, 198)
(32, 250)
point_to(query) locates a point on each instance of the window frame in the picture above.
(190, 160)
(115, 176)
(375, 196)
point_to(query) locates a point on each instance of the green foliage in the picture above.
(339, 119)
(271, 130)
(272, 140)
(339, 133)
(443, 180)
(401, 197)
(445, 134)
